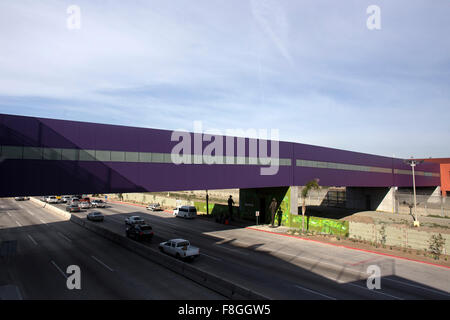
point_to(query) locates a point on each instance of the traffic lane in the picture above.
(245, 237)
(111, 272)
(30, 266)
(398, 294)
(166, 279)
(231, 245)
(253, 277)
(429, 275)
(61, 251)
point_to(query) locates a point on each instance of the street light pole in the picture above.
(207, 203)
(413, 163)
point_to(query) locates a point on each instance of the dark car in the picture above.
(73, 208)
(95, 216)
(140, 232)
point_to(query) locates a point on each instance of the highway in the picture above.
(276, 266)
(281, 267)
(46, 245)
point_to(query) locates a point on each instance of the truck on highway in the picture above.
(179, 248)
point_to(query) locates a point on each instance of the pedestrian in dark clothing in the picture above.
(279, 216)
(230, 207)
(273, 209)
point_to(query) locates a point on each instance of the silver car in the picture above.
(98, 204)
(95, 216)
(85, 205)
(134, 220)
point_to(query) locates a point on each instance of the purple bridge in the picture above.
(46, 156)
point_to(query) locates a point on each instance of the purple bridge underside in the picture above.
(42, 177)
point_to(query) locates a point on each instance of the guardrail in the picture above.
(224, 287)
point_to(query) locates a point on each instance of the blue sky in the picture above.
(311, 69)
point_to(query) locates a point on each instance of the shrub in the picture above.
(436, 245)
(383, 235)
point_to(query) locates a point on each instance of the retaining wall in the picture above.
(396, 236)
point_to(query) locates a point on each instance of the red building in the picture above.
(445, 173)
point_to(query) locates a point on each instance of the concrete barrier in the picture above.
(56, 210)
(396, 236)
(204, 278)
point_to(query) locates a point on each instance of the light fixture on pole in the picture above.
(414, 163)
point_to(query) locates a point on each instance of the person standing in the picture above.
(230, 207)
(273, 209)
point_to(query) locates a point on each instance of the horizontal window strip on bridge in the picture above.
(353, 167)
(43, 153)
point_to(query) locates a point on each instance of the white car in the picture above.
(134, 220)
(179, 248)
(52, 199)
(154, 207)
(98, 204)
(176, 210)
(186, 212)
(66, 199)
(84, 204)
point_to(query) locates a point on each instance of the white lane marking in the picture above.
(59, 269)
(214, 258)
(31, 238)
(30, 212)
(416, 286)
(9, 214)
(103, 264)
(43, 222)
(315, 292)
(233, 250)
(64, 236)
(375, 291)
(18, 223)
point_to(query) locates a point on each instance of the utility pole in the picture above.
(413, 163)
(207, 203)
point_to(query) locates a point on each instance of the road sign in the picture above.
(257, 213)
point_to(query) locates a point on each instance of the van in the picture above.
(187, 212)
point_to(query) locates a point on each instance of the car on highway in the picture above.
(134, 220)
(74, 201)
(73, 208)
(179, 248)
(52, 199)
(189, 212)
(95, 216)
(140, 231)
(84, 204)
(175, 211)
(65, 199)
(21, 198)
(98, 204)
(154, 207)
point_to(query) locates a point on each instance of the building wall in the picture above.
(445, 179)
(444, 164)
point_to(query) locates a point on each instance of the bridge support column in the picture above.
(259, 199)
(371, 199)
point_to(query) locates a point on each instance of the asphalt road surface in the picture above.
(274, 265)
(37, 247)
(281, 267)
